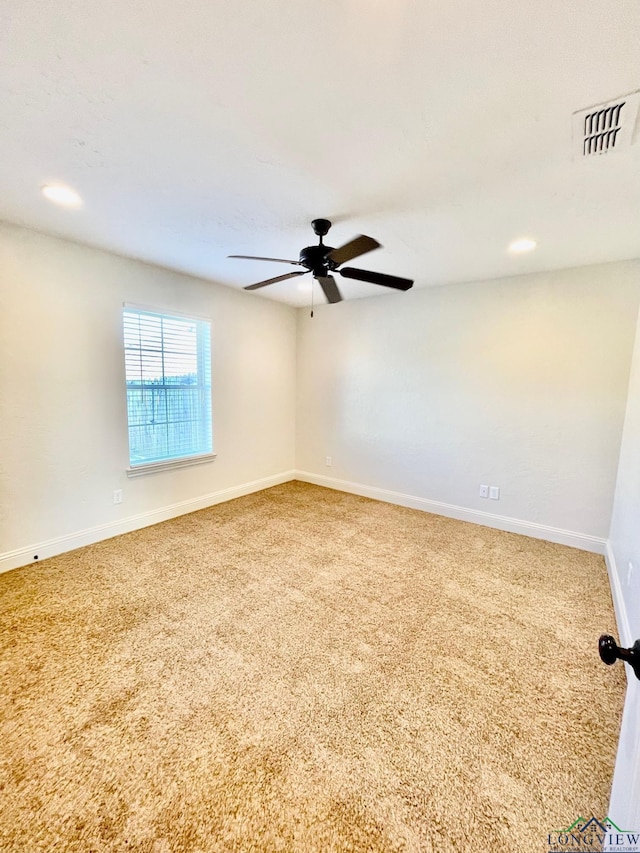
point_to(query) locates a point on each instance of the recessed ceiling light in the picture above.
(524, 244)
(60, 194)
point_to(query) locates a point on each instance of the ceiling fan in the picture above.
(323, 260)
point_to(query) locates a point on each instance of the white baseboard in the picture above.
(52, 547)
(583, 541)
(23, 556)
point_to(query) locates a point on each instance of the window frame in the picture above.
(180, 461)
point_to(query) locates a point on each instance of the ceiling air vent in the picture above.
(605, 127)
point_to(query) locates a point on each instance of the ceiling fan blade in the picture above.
(274, 280)
(254, 258)
(377, 278)
(353, 249)
(329, 288)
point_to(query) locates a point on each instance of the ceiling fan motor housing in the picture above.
(315, 258)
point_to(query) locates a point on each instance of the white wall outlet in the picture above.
(484, 491)
(117, 496)
(629, 572)
(494, 493)
(328, 462)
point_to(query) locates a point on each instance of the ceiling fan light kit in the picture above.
(323, 261)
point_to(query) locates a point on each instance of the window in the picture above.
(168, 373)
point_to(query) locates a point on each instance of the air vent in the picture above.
(605, 127)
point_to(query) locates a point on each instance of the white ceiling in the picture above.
(194, 130)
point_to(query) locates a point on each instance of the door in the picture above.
(624, 807)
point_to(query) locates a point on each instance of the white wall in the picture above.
(63, 435)
(519, 383)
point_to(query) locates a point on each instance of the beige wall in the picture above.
(63, 433)
(519, 383)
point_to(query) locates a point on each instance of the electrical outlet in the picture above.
(329, 462)
(117, 496)
(494, 493)
(484, 491)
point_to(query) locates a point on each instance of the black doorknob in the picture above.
(610, 652)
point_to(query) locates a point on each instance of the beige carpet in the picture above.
(305, 670)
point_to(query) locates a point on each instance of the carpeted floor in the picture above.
(305, 670)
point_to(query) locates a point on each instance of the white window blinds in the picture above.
(168, 375)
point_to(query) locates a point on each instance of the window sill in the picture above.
(153, 467)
